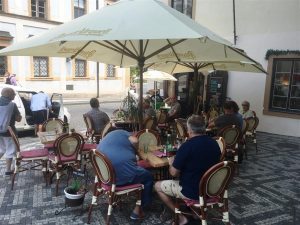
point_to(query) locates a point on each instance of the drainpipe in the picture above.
(234, 25)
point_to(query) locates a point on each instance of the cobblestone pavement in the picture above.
(266, 192)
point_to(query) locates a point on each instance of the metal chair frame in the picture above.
(213, 190)
(61, 161)
(24, 160)
(105, 184)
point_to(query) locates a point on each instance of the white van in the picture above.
(23, 99)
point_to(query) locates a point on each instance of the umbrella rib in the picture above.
(132, 45)
(115, 48)
(173, 50)
(164, 48)
(80, 50)
(124, 47)
(145, 48)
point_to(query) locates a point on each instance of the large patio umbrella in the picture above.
(130, 33)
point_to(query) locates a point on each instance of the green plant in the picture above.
(130, 106)
(76, 187)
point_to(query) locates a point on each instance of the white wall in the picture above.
(261, 25)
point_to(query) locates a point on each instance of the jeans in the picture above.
(144, 177)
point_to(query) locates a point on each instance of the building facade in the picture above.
(269, 31)
(21, 19)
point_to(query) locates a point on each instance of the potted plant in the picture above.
(75, 193)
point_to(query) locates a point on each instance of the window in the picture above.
(110, 70)
(38, 8)
(79, 8)
(1, 5)
(183, 6)
(41, 65)
(80, 68)
(285, 86)
(3, 64)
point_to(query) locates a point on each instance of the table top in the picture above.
(153, 159)
(47, 137)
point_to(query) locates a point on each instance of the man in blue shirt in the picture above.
(193, 159)
(119, 147)
(40, 103)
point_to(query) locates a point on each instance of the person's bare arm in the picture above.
(134, 141)
(172, 170)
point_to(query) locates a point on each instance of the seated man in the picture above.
(175, 109)
(246, 110)
(228, 118)
(119, 147)
(148, 111)
(193, 159)
(98, 117)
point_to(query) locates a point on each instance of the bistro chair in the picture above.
(53, 124)
(213, 191)
(105, 184)
(150, 124)
(90, 129)
(251, 131)
(231, 135)
(29, 159)
(222, 146)
(148, 138)
(181, 129)
(66, 156)
(106, 129)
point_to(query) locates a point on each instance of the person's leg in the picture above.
(144, 177)
(168, 189)
(10, 148)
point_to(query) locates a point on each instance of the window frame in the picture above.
(37, 9)
(107, 71)
(182, 7)
(48, 67)
(84, 9)
(75, 67)
(269, 89)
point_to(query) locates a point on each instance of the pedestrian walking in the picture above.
(8, 116)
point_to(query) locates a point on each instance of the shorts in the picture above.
(8, 147)
(40, 116)
(172, 188)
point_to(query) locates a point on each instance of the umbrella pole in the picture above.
(140, 110)
(155, 89)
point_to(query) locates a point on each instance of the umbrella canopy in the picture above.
(126, 34)
(155, 75)
(194, 66)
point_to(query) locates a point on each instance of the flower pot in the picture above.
(73, 199)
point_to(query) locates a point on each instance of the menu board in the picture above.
(216, 89)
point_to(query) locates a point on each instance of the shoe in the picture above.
(9, 173)
(134, 216)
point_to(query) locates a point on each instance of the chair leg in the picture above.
(236, 160)
(177, 212)
(17, 164)
(110, 207)
(225, 209)
(94, 202)
(255, 142)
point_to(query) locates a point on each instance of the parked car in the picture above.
(23, 99)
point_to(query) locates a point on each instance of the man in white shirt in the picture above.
(40, 103)
(246, 113)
